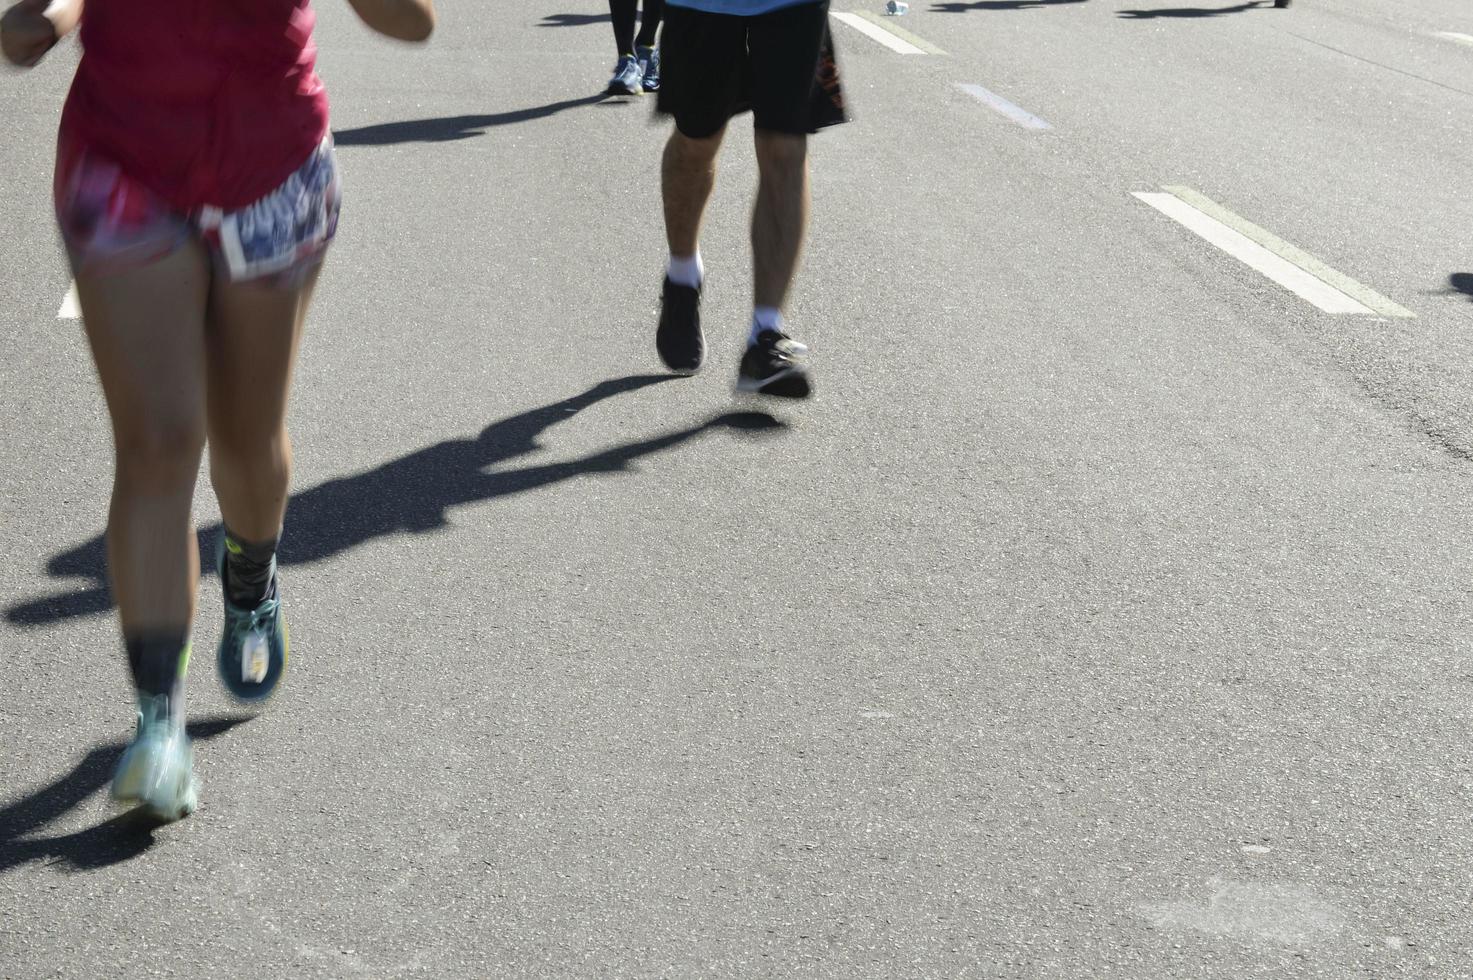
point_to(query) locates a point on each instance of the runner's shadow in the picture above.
(119, 839)
(574, 20)
(411, 494)
(1192, 11)
(450, 128)
(961, 8)
(1462, 282)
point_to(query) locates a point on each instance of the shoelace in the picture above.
(261, 617)
(785, 345)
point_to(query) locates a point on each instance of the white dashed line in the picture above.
(70, 309)
(1271, 256)
(994, 101)
(1455, 36)
(1364, 295)
(892, 24)
(877, 33)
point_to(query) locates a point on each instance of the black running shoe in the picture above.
(679, 340)
(770, 367)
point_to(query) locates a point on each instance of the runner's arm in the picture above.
(406, 20)
(31, 28)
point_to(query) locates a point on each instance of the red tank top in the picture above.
(205, 102)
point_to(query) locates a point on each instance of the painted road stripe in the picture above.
(992, 100)
(70, 309)
(1455, 36)
(877, 33)
(1254, 255)
(889, 23)
(1364, 295)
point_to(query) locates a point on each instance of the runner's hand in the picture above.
(26, 34)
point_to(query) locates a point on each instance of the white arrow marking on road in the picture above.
(1255, 256)
(70, 308)
(992, 100)
(877, 33)
(1455, 36)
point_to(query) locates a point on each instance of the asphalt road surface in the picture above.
(1105, 614)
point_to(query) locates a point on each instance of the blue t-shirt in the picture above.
(737, 8)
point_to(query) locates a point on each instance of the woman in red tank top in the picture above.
(196, 192)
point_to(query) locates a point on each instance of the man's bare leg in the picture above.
(687, 177)
(779, 224)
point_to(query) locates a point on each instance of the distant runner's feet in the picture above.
(649, 67)
(627, 77)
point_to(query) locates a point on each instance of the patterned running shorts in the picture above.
(111, 223)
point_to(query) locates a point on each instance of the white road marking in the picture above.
(1455, 36)
(1363, 295)
(889, 23)
(70, 308)
(877, 33)
(1256, 256)
(992, 100)
(1287, 913)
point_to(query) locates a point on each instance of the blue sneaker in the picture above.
(253, 642)
(649, 67)
(627, 77)
(157, 770)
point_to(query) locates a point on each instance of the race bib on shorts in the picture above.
(287, 227)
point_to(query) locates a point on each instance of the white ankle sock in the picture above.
(686, 271)
(765, 318)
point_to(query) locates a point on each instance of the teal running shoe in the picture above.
(253, 642)
(157, 770)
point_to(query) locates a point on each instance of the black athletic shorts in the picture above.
(780, 65)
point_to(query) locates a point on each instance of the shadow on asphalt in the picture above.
(961, 8)
(120, 839)
(449, 128)
(411, 494)
(574, 20)
(1193, 11)
(1462, 282)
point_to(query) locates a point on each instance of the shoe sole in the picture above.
(172, 810)
(791, 382)
(623, 90)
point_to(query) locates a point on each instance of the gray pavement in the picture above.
(1106, 613)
